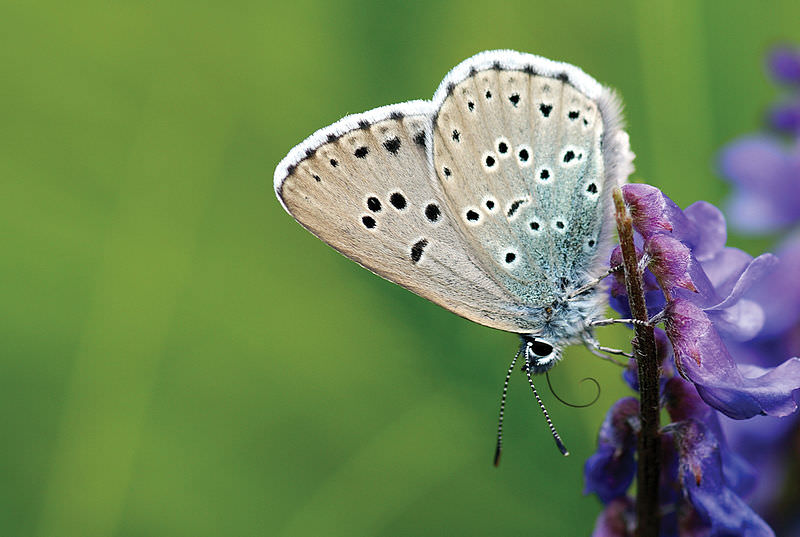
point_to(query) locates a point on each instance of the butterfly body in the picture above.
(491, 200)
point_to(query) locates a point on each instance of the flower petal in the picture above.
(683, 403)
(755, 270)
(700, 473)
(784, 63)
(766, 173)
(609, 472)
(779, 295)
(709, 219)
(652, 211)
(616, 520)
(669, 260)
(702, 358)
(740, 322)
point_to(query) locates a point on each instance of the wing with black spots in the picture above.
(489, 200)
(364, 186)
(526, 154)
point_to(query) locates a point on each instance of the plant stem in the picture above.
(644, 348)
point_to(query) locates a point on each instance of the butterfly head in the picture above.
(540, 354)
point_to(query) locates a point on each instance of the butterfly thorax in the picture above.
(564, 322)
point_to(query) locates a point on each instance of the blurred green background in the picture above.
(179, 357)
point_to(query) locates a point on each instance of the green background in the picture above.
(179, 357)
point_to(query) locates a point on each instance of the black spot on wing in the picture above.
(392, 145)
(398, 201)
(419, 139)
(417, 249)
(361, 152)
(310, 152)
(363, 124)
(432, 212)
(397, 115)
(516, 204)
(545, 109)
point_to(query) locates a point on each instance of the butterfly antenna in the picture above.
(499, 447)
(573, 405)
(561, 447)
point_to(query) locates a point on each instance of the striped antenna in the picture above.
(499, 447)
(561, 447)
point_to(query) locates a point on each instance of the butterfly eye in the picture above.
(540, 348)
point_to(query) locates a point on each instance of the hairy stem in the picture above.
(644, 347)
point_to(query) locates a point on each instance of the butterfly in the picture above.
(492, 200)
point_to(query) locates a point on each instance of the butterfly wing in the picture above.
(364, 186)
(526, 152)
(388, 190)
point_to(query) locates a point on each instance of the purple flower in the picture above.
(766, 175)
(739, 393)
(683, 403)
(765, 172)
(651, 211)
(779, 296)
(717, 509)
(785, 116)
(669, 260)
(705, 302)
(784, 64)
(616, 520)
(717, 304)
(609, 472)
(766, 444)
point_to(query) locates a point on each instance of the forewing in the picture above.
(364, 185)
(525, 152)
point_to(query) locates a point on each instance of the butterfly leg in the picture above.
(603, 352)
(593, 283)
(606, 322)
